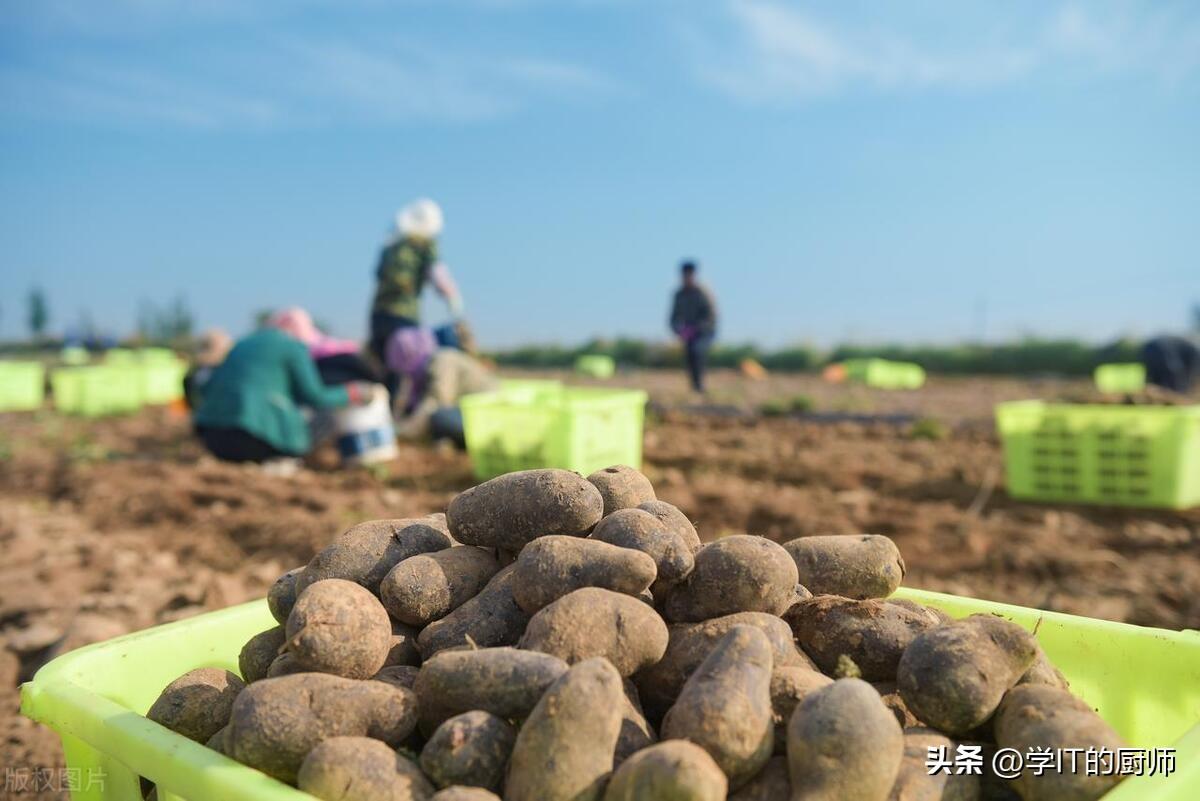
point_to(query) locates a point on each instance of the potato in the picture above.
(1043, 671)
(953, 676)
(259, 652)
(873, 633)
(636, 731)
(689, 644)
(621, 487)
(1039, 716)
(366, 552)
(285, 665)
(217, 741)
(492, 618)
(550, 567)
(464, 794)
(642, 531)
(789, 686)
(514, 509)
(914, 782)
(843, 743)
(856, 566)
(564, 751)
(198, 703)
(429, 586)
(339, 627)
(398, 675)
(504, 681)
(675, 770)
(361, 769)
(675, 521)
(769, 784)
(725, 706)
(282, 595)
(593, 622)
(891, 699)
(402, 647)
(276, 722)
(469, 749)
(735, 574)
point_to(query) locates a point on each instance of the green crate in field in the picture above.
(884, 374)
(22, 386)
(97, 390)
(162, 381)
(573, 428)
(1144, 682)
(1120, 377)
(596, 365)
(1147, 456)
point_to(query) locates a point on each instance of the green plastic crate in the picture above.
(573, 428)
(161, 381)
(1117, 378)
(1144, 456)
(97, 390)
(1145, 682)
(595, 365)
(22, 386)
(884, 374)
(74, 355)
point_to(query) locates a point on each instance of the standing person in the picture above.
(406, 264)
(1171, 362)
(251, 409)
(694, 321)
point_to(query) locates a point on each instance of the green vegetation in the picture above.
(1026, 357)
(927, 428)
(777, 407)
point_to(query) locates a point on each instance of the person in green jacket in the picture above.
(407, 263)
(251, 410)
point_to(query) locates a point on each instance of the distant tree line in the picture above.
(1028, 356)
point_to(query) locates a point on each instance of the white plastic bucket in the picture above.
(366, 434)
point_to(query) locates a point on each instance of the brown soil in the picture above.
(110, 526)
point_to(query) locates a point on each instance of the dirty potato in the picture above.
(1043, 671)
(593, 622)
(854, 566)
(675, 770)
(550, 567)
(636, 731)
(460, 793)
(953, 676)
(361, 769)
(789, 686)
(366, 552)
(282, 595)
(492, 618)
(429, 586)
(642, 531)
(735, 574)
(511, 510)
(872, 633)
(339, 627)
(398, 675)
(725, 706)
(198, 703)
(564, 751)
(622, 487)
(469, 749)
(1040, 716)
(843, 743)
(259, 652)
(276, 722)
(504, 681)
(769, 784)
(914, 782)
(675, 521)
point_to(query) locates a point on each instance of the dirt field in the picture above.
(114, 525)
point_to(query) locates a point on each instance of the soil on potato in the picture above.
(109, 526)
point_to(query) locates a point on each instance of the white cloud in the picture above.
(779, 52)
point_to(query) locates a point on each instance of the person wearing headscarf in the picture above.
(436, 379)
(252, 408)
(408, 262)
(213, 346)
(339, 361)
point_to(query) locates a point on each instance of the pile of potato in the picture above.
(555, 638)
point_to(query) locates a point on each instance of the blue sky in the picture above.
(858, 171)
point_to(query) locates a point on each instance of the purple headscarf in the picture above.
(409, 352)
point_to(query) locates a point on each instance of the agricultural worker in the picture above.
(694, 321)
(437, 379)
(252, 406)
(407, 263)
(1172, 362)
(339, 361)
(213, 347)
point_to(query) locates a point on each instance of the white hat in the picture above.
(422, 218)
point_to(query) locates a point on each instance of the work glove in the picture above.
(361, 393)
